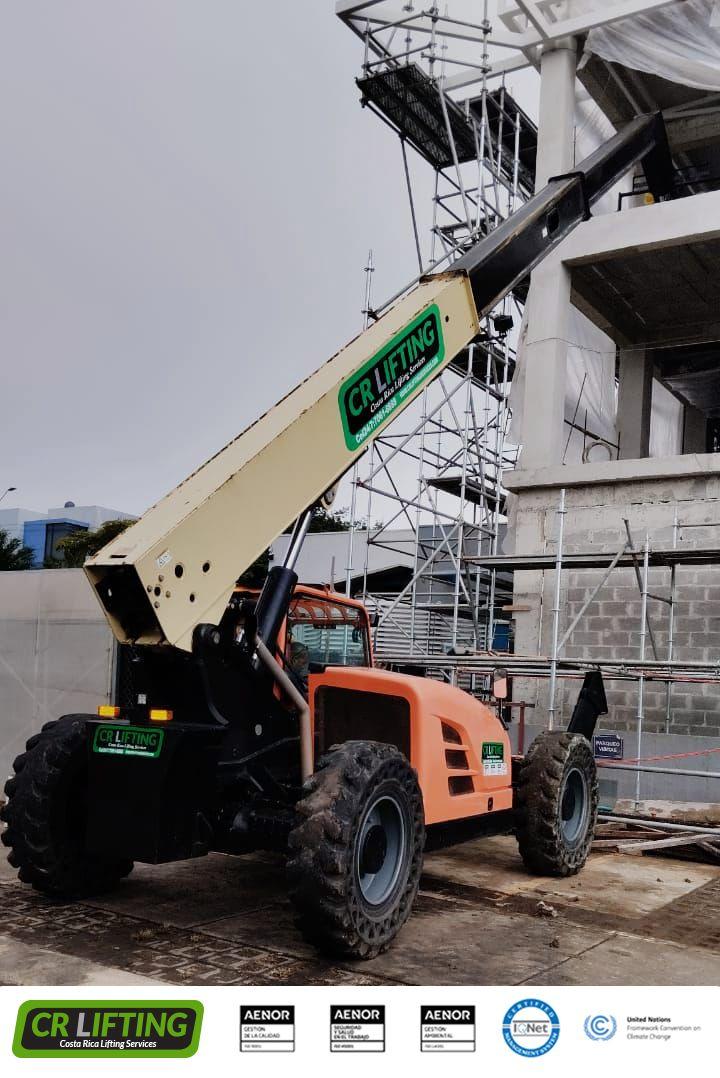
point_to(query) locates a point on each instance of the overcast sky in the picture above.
(188, 192)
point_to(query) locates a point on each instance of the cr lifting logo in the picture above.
(600, 1027)
(99, 1028)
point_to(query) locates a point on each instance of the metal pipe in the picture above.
(658, 825)
(453, 151)
(661, 770)
(461, 510)
(641, 680)
(416, 551)
(588, 601)
(297, 538)
(290, 689)
(671, 623)
(556, 611)
(412, 204)
(636, 567)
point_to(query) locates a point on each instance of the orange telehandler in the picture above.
(260, 721)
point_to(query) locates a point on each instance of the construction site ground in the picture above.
(479, 919)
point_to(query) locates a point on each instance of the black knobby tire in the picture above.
(356, 852)
(556, 802)
(46, 814)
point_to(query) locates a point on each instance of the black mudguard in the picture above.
(591, 703)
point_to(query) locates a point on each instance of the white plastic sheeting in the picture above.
(592, 129)
(56, 653)
(680, 43)
(666, 423)
(590, 398)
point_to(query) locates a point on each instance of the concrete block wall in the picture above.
(610, 629)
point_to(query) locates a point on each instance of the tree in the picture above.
(327, 520)
(83, 544)
(254, 577)
(13, 555)
(323, 520)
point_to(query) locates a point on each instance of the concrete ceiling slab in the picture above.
(692, 116)
(693, 375)
(659, 296)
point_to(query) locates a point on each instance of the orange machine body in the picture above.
(457, 745)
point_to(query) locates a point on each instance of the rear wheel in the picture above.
(46, 815)
(557, 799)
(356, 852)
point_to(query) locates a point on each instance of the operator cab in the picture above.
(322, 629)
(328, 629)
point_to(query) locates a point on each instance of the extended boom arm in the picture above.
(177, 566)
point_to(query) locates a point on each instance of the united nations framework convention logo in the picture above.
(600, 1027)
(531, 1028)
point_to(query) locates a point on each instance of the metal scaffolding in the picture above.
(438, 480)
(648, 667)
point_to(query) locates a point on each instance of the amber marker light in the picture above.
(107, 711)
(160, 714)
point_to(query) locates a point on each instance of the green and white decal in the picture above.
(128, 741)
(493, 758)
(373, 393)
(75, 1029)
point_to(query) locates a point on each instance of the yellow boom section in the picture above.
(177, 566)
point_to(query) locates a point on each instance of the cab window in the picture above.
(324, 633)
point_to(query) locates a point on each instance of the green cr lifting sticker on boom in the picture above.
(373, 392)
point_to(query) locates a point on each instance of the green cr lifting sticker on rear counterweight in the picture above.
(373, 393)
(128, 741)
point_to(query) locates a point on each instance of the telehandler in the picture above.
(260, 721)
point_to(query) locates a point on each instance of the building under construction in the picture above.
(566, 471)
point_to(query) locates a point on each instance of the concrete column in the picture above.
(634, 403)
(548, 309)
(548, 304)
(556, 126)
(694, 430)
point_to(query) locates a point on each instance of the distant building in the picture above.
(324, 558)
(42, 532)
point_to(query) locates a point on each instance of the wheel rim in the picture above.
(573, 806)
(380, 850)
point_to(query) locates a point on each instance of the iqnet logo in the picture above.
(531, 1028)
(94, 1029)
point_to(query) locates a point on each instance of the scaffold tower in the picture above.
(431, 489)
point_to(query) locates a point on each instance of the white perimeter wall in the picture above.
(56, 653)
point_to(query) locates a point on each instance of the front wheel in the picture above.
(557, 802)
(356, 852)
(46, 815)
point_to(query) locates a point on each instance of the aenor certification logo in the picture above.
(267, 1029)
(447, 1029)
(94, 1029)
(357, 1029)
(531, 1028)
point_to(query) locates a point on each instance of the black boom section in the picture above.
(499, 261)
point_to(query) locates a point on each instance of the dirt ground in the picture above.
(479, 919)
